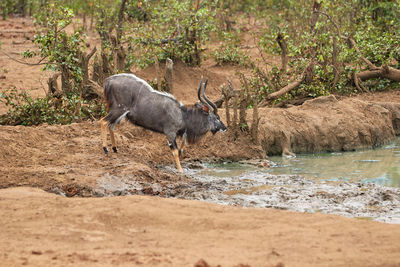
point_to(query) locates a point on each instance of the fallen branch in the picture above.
(382, 72)
(304, 76)
(285, 89)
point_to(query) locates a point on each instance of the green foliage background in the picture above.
(183, 30)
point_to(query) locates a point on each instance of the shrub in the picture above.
(28, 111)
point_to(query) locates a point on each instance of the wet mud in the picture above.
(293, 192)
(247, 184)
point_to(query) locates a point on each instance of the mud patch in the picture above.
(294, 192)
(250, 186)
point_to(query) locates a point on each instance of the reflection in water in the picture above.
(380, 166)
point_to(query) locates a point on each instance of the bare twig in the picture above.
(357, 82)
(335, 63)
(26, 63)
(260, 51)
(354, 45)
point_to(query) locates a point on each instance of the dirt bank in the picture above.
(69, 159)
(39, 228)
(329, 124)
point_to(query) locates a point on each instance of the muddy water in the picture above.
(256, 187)
(363, 184)
(379, 166)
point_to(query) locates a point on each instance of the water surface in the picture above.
(380, 166)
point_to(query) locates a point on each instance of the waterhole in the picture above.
(379, 166)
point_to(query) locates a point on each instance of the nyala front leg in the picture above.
(175, 152)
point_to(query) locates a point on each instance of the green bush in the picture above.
(28, 111)
(229, 52)
(174, 29)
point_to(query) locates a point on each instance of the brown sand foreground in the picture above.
(43, 229)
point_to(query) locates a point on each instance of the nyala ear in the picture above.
(198, 105)
(205, 109)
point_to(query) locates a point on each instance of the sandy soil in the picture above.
(40, 228)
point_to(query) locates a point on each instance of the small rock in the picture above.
(201, 263)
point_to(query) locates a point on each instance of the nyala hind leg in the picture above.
(112, 137)
(103, 126)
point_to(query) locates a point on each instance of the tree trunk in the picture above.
(242, 111)
(105, 63)
(169, 68)
(53, 86)
(30, 9)
(284, 56)
(97, 73)
(256, 120)
(228, 117)
(120, 51)
(314, 17)
(235, 114)
(84, 62)
(22, 7)
(228, 93)
(65, 80)
(158, 72)
(84, 22)
(120, 21)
